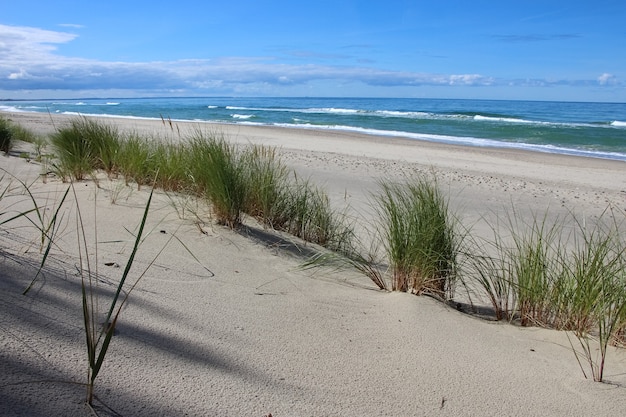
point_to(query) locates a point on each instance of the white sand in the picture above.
(257, 335)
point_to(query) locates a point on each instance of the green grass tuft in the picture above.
(268, 186)
(85, 146)
(6, 136)
(219, 173)
(419, 235)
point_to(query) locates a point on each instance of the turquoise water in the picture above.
(587, 129)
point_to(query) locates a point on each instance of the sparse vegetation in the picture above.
(541, 273)
(11, 132)
(98, 335)
(550, 276)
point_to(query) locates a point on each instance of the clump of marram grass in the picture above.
(308, 215)
(235, 180)
(11, 132)
(595, 299)
(20, 133)
(521, 270)
(548, 275)
(419, 235)
(219, 173)
(170, 161)
(134, 160)
(6, 136)
(253, 181)
(536, 268)
(268, 186)
(85, 146)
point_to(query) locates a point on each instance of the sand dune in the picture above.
(245, 332)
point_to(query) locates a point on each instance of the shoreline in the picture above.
(347, 130)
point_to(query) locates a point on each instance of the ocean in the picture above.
(585, 129)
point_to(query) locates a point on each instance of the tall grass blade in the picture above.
(98, 339)
(47, 230)
(49, 233)
(131, 259)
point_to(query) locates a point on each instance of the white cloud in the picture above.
(71, 25)
(19, 43)
(470, 79)
(18, 75)
(607, 79)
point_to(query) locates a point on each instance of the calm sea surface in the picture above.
(587, 129)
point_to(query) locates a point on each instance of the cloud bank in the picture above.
(29, 60)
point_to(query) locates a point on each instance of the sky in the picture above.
(505, 49)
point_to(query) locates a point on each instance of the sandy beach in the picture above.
(239, 329)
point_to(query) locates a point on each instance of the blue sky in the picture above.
(540, 50)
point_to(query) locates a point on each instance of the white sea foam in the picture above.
(513, 120)
(618, 123)
(346, 111)
(501, 119)
(466, 140)
(115, 116)
(406, 114)
(11, 108)
(66, 103)
(242, 116)
(211, 107)
(111, 103)
(334, 110)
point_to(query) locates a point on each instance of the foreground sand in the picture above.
(247, 333)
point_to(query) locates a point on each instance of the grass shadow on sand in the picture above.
(43, 360)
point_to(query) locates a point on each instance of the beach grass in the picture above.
(596, 298)
(98, 335)
(420, 236)
(45, 218)
(6, 136)
(535, 264)
(310, 216)
(75, 156)
(135, 160)
(563, 274)
(268, 184)
(520, 270)
(218, 171)
(237, 181)
(11, 132)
